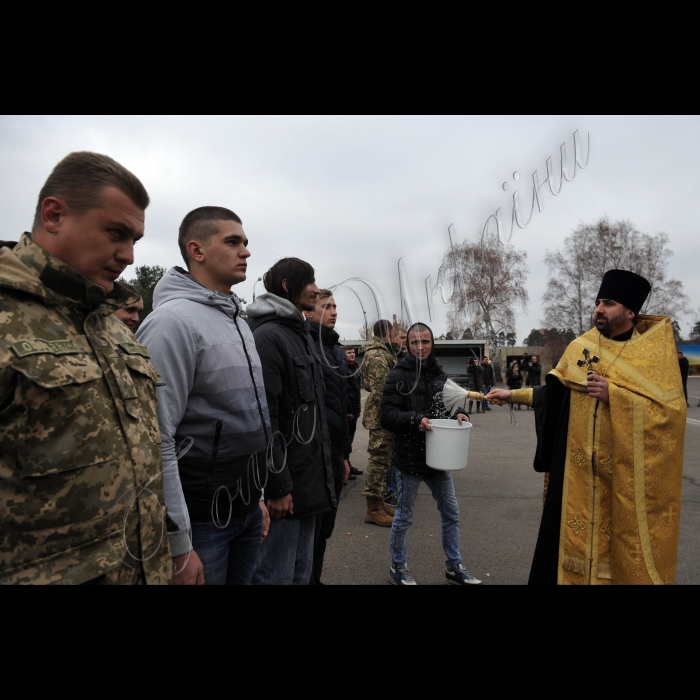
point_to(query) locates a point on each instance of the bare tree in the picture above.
(592, 249)
(366, 331)
(485, 284)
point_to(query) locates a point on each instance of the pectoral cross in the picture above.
(588, 361)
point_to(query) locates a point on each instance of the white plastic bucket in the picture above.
(447, 444)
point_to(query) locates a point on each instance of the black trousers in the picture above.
(325, 523)
(352, 427)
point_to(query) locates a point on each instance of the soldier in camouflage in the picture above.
(80, 463)
(379, 360)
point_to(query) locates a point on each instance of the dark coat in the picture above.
(534, 376)
(476, 376)
(514, 379)
(294, 390)
(334, 365)
(405, 402)
(354, 389)
(487, 375)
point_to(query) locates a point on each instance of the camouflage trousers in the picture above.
(379, 451)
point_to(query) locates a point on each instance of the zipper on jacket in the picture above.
(215, 450)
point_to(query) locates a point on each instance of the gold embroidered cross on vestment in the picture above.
(576, 525)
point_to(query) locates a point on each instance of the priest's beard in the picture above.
(611, 327)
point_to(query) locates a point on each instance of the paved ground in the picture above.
(500, 498)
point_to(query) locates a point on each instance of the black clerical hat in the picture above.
(626, 288)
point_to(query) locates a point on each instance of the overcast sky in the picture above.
(352, 195)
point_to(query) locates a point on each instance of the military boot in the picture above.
(388, 509)
(376, 515)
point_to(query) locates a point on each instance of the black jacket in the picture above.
(334, 365)
(487, 375)
(405, 401)
(294, 390)
(354, 387)
(514, 380)
(534, 376)
(475, 374)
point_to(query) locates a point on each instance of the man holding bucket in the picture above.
(412, 396)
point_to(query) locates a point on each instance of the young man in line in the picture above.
(354, 402)
(398, 341)
(379, 360)
(212, 410)
(333, 363)
(81, 485)
(129, 315)
(300, 482)
(407, 415)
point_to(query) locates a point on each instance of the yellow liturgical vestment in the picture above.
(623, 470)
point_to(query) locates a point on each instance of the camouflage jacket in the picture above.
(379, 360)
(80, 462)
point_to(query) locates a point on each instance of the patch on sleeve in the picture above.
(37, 346)
(134, 349)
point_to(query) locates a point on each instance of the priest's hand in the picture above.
(499, 396)
(598, 388)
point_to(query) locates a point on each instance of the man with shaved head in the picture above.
(212, 410)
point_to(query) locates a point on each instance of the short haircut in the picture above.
(420, 328)
(298, 274)
(381, 328)
(80, 178)
(347, 348)
(325, 293)
(396, 330)
(132, 289)
(200, 225)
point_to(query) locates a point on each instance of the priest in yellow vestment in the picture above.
(611, 427)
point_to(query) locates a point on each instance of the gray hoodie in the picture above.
(212, 410)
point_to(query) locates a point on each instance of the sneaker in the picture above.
(355, 471)
(460, 576)
(401, 577)
(392, 499)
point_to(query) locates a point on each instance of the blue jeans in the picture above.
(390, 481)
(443, 490)
(286, 555)
(229, 554)
(484, 404)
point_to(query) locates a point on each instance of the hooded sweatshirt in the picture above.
(212, 411)
(294, 388)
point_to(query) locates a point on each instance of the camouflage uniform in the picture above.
(80, 465)
(379, 361)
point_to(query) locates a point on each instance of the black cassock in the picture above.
(551, 403)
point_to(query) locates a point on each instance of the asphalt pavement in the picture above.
(500, 501)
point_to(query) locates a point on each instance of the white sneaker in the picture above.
(460, 577)
(401, 577)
